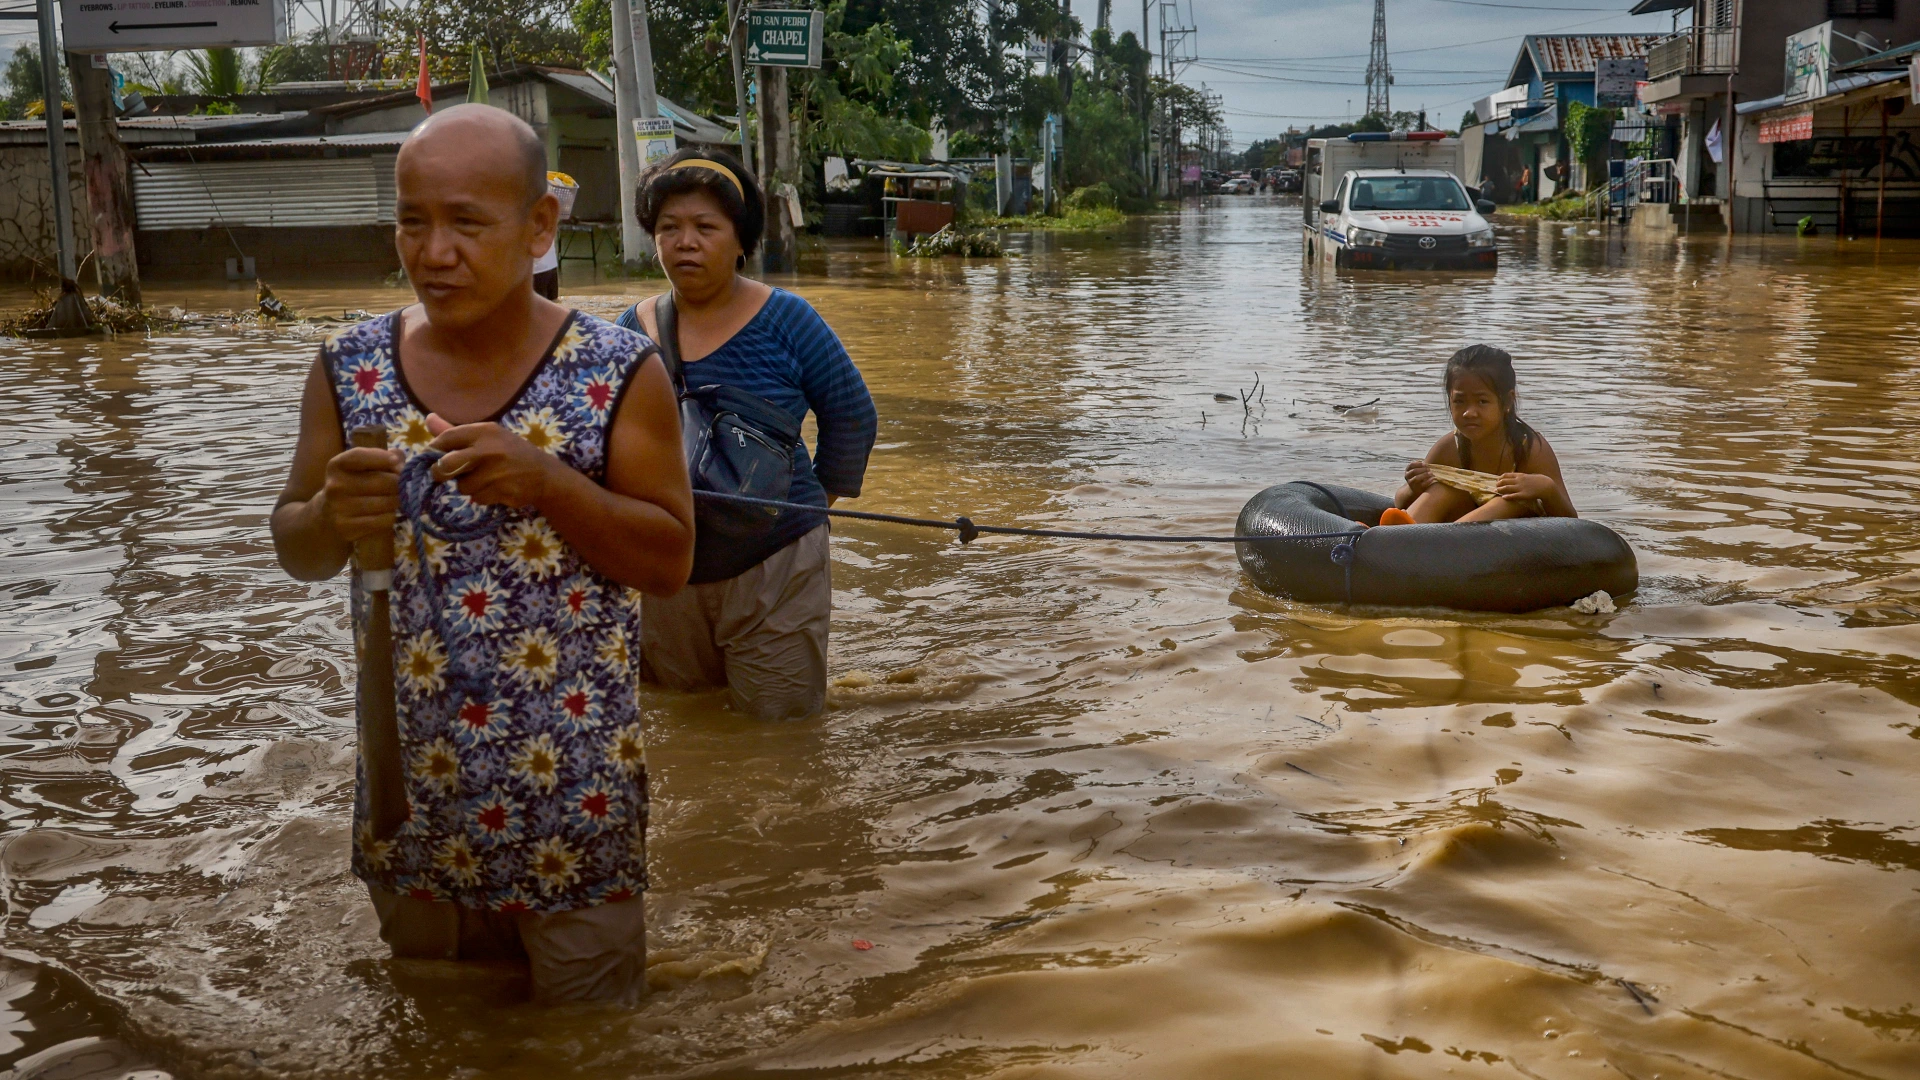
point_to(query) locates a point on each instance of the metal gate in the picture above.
(287, 193)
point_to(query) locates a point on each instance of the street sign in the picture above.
(785, 38)
(109, 26)
(1615, 80)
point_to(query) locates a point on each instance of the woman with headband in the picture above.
(754, 616)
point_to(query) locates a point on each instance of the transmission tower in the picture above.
(1379, 74)
(349, 31)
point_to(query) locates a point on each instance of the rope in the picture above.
(433, 517)
(969, 530)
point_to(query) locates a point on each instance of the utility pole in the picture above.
(1002, 161)
(736, 13)
(55, 116)
(1146, 101)
(1379, 74)
(103, 162)
(634, 243)
(776, 153)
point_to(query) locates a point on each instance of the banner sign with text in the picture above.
(785, 37)
(1787, 126)
(110, 26)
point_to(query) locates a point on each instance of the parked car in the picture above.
(1238, 185)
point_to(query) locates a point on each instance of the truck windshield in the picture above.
(1407, 193)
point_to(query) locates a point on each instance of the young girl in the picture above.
(1488, 436)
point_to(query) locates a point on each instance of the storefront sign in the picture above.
(110, 26)
(785, 38)
(1787, 126)
(1809, 59)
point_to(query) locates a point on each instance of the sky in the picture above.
(1278, 63)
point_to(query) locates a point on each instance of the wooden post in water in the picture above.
(379, 724)
(109, 184)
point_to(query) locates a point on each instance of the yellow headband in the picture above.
(703, 163)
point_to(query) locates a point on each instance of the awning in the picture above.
(1840, 87)
(1650, 7)
(1540, 123)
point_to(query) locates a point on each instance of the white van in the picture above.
(1380, 201)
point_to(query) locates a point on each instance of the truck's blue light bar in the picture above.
(1396, 136)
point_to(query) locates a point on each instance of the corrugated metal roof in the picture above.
(310, 192)
(1575, 54)
(1556, 54)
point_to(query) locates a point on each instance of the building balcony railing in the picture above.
(1699, 50)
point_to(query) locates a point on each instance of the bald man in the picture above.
(515, 598)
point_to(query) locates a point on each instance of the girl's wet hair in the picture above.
(1496, 368)
(744, 205)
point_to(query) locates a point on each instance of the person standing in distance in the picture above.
(523, 763)
(755, 615)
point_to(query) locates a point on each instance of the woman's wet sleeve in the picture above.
(840, 402)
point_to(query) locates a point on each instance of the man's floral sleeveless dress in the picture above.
(515, 664)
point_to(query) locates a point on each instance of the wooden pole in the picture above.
(379, 724)
(634, 243)
(103, 162)
(776, 158)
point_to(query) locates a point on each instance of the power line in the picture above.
(1521, 7)
(1403, 52)
(1325, 82)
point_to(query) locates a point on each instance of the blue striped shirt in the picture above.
(788, 355)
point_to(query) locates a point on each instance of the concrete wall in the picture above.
(26, 212)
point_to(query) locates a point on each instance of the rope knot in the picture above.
(968, 531)
(438, 517)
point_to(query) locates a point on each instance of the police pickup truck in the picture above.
(1380, 201)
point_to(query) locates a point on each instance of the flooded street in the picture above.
(1099, 809)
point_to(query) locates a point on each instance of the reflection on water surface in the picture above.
(1100, 809)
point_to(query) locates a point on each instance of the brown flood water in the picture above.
(1101, 810)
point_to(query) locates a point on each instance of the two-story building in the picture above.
(1771, 155)
(1521, 144)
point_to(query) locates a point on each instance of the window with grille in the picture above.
(1859, 9)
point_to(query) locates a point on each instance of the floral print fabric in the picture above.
(515, 663)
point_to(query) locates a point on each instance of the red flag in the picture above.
(423, 88)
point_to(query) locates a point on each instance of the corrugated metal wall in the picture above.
(306, 191)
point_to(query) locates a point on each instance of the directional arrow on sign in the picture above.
(116, 26)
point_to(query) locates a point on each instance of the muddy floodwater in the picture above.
(1078, 809)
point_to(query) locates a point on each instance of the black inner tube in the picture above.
(1520, 565)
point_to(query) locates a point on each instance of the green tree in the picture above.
(215, 73)
(508, 32)
(844, 108)
(695, 71)
(1103, 140)
(23, 83)
(1588, 132)
(1469, 119)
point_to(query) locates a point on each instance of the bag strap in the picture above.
(667, 321)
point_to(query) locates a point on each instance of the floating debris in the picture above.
(271, 306)
(951, 241)
(107, 316)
